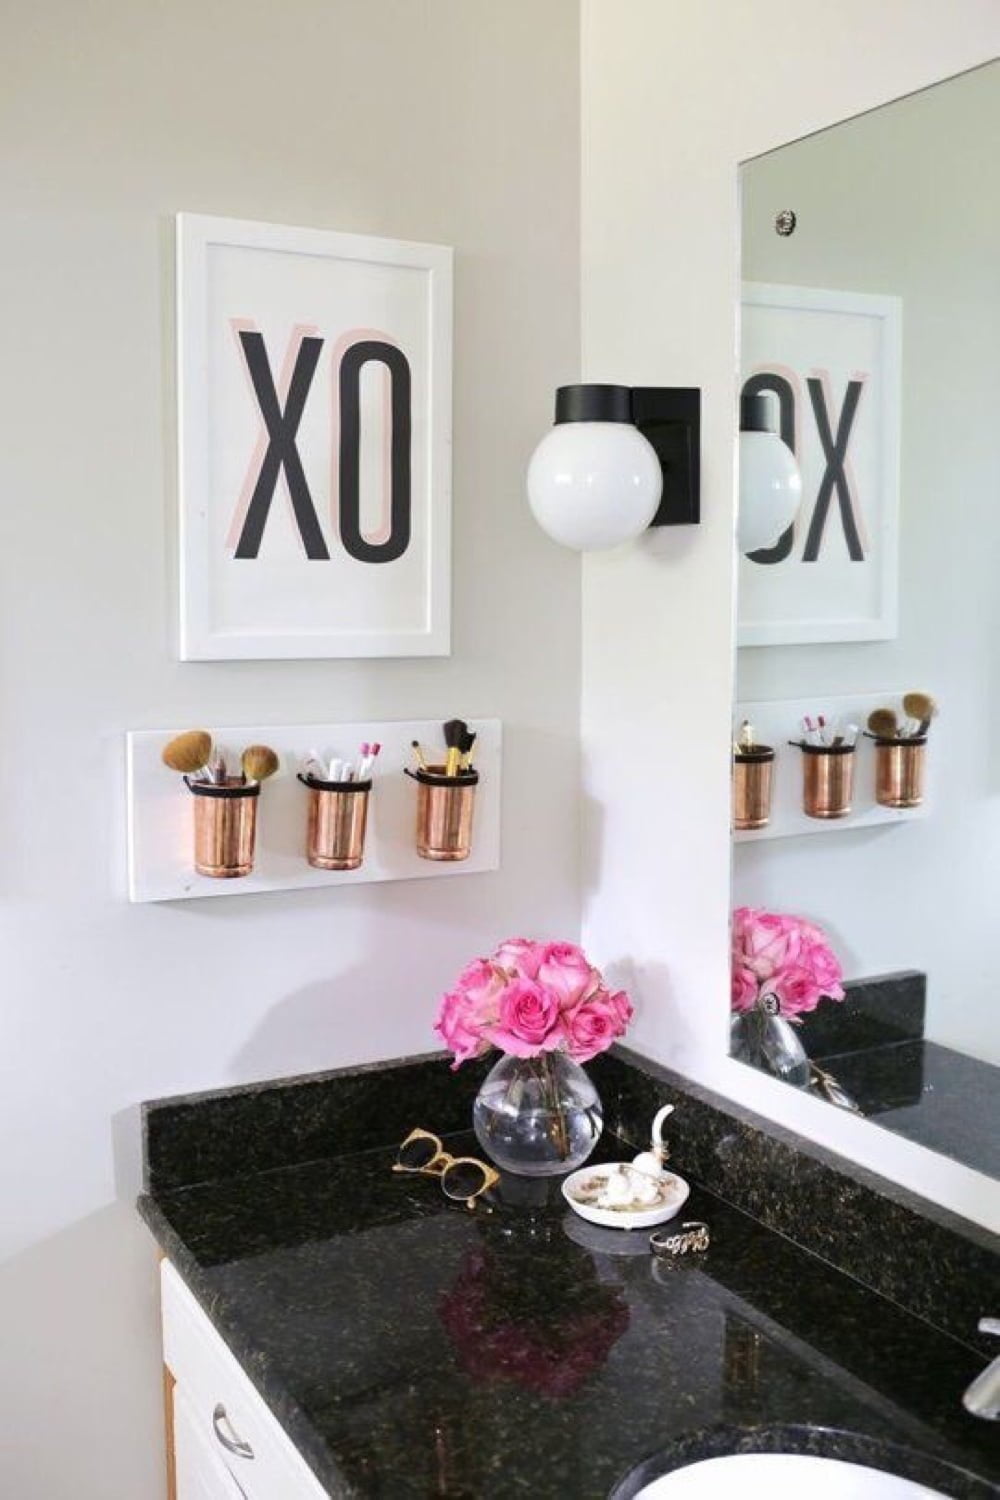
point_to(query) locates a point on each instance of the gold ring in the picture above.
(694, 1236)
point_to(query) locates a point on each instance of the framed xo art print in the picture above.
(314, 415)
(831, 361)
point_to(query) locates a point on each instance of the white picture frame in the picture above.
(834, 359)
(314, 432)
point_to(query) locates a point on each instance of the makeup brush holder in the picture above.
(338, 817)
(753, 776)
(899, 771)
(445, 808)
(827, 780)
(225, 827)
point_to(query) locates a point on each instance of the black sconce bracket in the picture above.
(670, 419)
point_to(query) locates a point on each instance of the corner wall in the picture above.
(674, 96)
(454, 121)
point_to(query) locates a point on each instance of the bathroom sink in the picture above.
(781, 1476)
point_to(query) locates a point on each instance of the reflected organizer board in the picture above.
(778, 722)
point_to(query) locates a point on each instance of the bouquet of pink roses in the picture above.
(531, 998)
(782, 963)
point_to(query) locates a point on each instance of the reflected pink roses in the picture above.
(783, 957)
(530, 998)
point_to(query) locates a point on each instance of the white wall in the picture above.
(868, 223)
(674, 96)
(454, 121)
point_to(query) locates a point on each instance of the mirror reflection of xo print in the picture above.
(837, 488)
(282, 402)
(830, 362)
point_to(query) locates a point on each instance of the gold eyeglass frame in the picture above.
(441, 1161)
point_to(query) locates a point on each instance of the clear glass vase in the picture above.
(538, 1116)
(765, 1040)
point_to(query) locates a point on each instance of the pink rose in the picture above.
(482, 983)
(825, 968)
(565, 972)
(745, 989)
(520, 956)
(622, 1009)
(528, 1022)
(591, 1027)
(765, 942)
(458, 1028)
(796, 989)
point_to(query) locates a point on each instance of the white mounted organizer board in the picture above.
(776, 723)
(160, 816)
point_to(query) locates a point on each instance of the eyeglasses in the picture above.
(463, 1178)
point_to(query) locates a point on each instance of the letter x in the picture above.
(834, 477)
(282, 453)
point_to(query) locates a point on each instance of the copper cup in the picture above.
(753, 774)
(225, 827)
(445, 806)
(338, 817)
(899, 772)
(827, 780)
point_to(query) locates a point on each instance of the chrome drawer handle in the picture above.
(233, 1443)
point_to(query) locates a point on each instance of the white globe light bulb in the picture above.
(592, 485)
(770, 490)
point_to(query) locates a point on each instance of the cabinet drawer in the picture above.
(226, 1411)
(199, 1474)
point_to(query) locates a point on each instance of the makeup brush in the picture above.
(883, 724)
(189, 752)
(920, 706)
(467, 748)
(455, 731)
(421, 757)
(259, 762)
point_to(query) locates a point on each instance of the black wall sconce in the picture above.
(618, 460)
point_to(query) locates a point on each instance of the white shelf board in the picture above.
(160, 813)
(775, 723)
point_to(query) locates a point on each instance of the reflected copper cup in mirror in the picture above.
(899, 772)
(827, 780)
(753, 775)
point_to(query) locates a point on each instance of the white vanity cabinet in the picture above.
(225, 1443)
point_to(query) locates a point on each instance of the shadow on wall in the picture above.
(84, 1303)
(639, 980)
(313, 1011)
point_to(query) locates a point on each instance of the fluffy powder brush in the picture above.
(259, 762)
(883, 724)
(920, 706)
(189, 752)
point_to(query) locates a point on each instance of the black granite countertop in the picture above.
(931, 1094)
(411, 1348)
(874, 1044)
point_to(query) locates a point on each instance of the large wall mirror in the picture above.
(869, 624)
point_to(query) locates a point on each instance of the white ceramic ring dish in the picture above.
(585, 1186)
